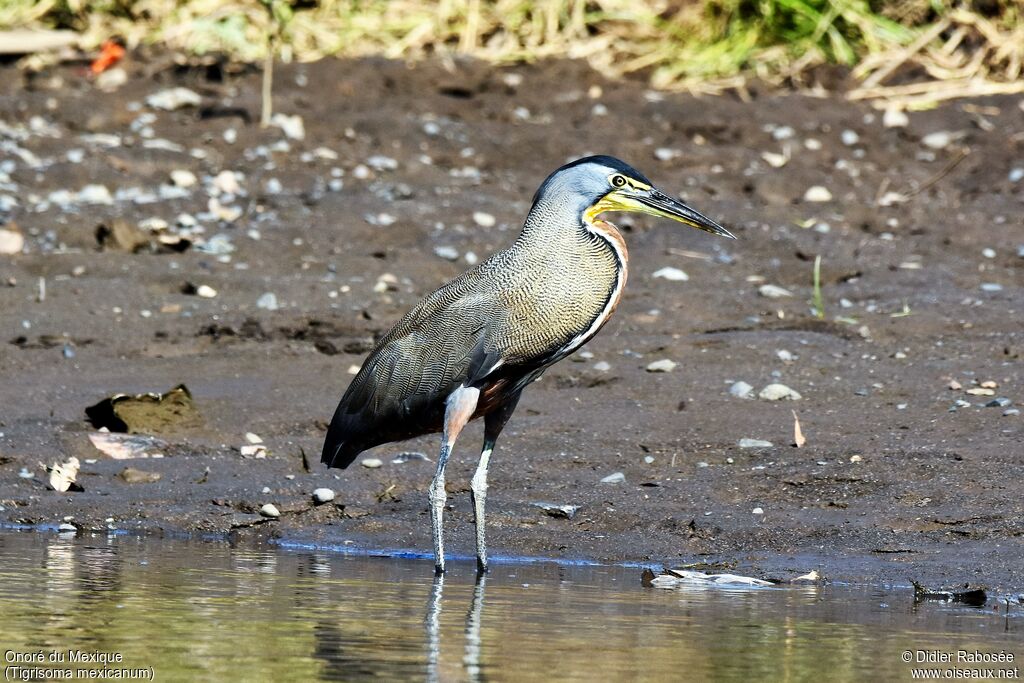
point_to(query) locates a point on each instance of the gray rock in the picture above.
(1010, 412)
(408, 456)
(1001, 402)
(323, 495)
(741, 390)
(773, 291)
(556, 510)
(65, 527)
(755, 443)
(174, 98)
(615, 478)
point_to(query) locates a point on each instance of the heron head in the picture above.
(603, 183)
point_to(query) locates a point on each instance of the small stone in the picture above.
(1016, 174)
(292, 126)
(227, 182)
(989, 384)
(939, 139)
(669, 273)
(783, 133)
(379, 162)
(447, 253)
(257, 450)
(773, 291)
(131, 475)
(615, 478)
(741, 390)
(849, 138)
(323, 495)
(1001, 402)
(182, 177)
(174, 98)
(111, 79)
(1009, 412)
(64, 527)
(757, 511)
(372, 463)
(602, 366)
(206, 291)
(991, 287)
(483, 219)
(981, 391)
(649, 459)
(954, 385)
(666, 153)
(755, 443)
(817, 193)
(785, 356)
(988, 252)
(778, 392)
(895, 118)
(855, 458)
(267, 301)
(11, 241)
(270, 510)
(663, 365)
(95, 194)
(253, 438)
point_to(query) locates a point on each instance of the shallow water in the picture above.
(193, 610)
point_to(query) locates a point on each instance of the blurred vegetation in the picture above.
(696, 44)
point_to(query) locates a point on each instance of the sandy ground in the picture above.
(896, 480)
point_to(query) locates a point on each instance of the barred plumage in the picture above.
(469, 348)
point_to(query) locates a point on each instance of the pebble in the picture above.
(253, 451)
(65, 527)
(778, 392)
(1016, 174)
(24, 473)
(785, 356)
(11, 241)
(230, 136)
(988, 252)
(251, 437)
(95, 194)
(447, 253)
(323, 495)
(1001, 402)
(270, 510)
(174, 98)
(227, 182)
(614, 478)
(669, 273)
(895, 118)
(741, 390)
(850, 138)
(755, 443)
(666, 153)
(663, 365)
(1010, 411)
(483, 219)
(757, 511)
(939, 139)
(991, 287)
(379, 162)
(649, 459)
(408, 456)
(292, 126)
(182, 177)
(112, 79)
(206, 291)
(602, 366)
(267, 301)
(817, 193)
(855, 458)
(773, 291)
(372, 463)
(783, 133)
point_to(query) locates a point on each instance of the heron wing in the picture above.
(400, 390)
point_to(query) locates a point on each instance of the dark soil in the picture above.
(892, 484)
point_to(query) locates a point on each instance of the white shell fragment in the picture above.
(270, 510)
(669, 273)
(817, 193)
(663, 365)
(773, 291)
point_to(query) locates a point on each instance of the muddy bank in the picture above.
(401, 169)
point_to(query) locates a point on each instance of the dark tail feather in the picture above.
(340, 449)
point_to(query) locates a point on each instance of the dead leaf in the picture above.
(798, 435)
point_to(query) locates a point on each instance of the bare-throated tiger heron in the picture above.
(468, 349)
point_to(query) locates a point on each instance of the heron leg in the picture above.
(494, 422)
(458, 409)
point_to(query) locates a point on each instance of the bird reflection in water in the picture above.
(473, 639)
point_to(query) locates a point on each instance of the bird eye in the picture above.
(618, 180)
